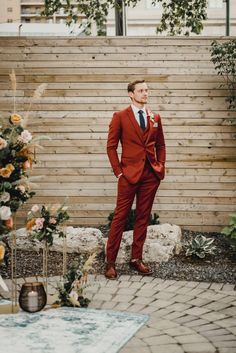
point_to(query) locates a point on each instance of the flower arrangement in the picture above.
(70, 291)
(43, 223)
(151, 115)
(17, 154)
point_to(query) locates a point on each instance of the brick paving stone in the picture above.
(228, 287)
(131, 350)
(136, 278)
(164, 295)
(199, 348)
(184, 319)
(213, 316)
(192, 284)
(102, 297)
(124, 284)
(162, 286)
(211, 295)
(218, 331)
(123, 298)
(207, 327)
(160, 303)
(193, 338)
(231, 311)
(197, 311)
(148, 310)
(179, 331)
(183, 298)
(225, 344)
(158, 340)
(136, 342)
(204, 285)
(226, 350)
(216, 286)
(135, 308)
(173, 288)
(147, 279)
(184, 290)
(217, 306)
(146, 293)
(199, 302)
(229, 322)
(227, 299)
(161, 324)
(180, 307)
(147, 286)
(113, 283)
(158, 280)
(195, 292)
(96, 304)
(102, 278)
(174, 315)
(136, 285)
(146, 332)
(221, 338)
(108, 305)
(107, 290)
(160, 313)
(197, 322)
(121, 306)
(166, 348)
(126, 278)
(142, 300)
(232, 329)
(127, 291)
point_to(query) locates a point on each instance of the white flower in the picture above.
(5, 213)
(21, 188)
(3, 143)
(25, 136)
(39, 223)
(5, 197)
(35, 208)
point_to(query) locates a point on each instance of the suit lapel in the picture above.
(135, 123)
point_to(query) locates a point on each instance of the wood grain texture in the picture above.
(86, 82)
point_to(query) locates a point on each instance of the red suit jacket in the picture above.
(135, 148)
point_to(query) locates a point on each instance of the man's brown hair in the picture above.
(131, 85)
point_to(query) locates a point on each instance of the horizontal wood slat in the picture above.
(86, 82)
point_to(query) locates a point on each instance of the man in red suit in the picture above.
(139, 172)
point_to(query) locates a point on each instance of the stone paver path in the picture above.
(185, 317)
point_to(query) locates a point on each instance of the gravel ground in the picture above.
(216, 268)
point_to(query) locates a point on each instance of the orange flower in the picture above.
(15, 119)
(2, 252)
(6, 172)
(30, 224)
(9, 223)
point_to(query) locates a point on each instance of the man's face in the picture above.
(140, 94)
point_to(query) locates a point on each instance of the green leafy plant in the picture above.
(223, 56)
(179, 16)
(70, 290)
(154, 219)
(200, 246)
(230, 230)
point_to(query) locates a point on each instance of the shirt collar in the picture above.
(136, 109)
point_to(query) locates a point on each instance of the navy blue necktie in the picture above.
(141, 120)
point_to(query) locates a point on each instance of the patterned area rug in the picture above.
(69, 330)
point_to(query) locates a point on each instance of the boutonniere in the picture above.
(151, 116)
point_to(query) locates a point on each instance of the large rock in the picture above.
(78, 240)
(162, 242)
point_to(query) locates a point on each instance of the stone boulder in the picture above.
(162, 242)
(78, 240)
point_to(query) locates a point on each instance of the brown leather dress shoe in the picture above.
(139, 266)
(110, 272)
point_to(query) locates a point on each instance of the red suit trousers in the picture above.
(144, 190)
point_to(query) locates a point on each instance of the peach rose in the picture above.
(26, 164)
(9, 223)
(3, 143)
(2, 251)
(15, 119)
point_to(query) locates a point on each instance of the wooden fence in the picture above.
(87, 79)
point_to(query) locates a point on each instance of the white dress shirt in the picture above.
(136, 114)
